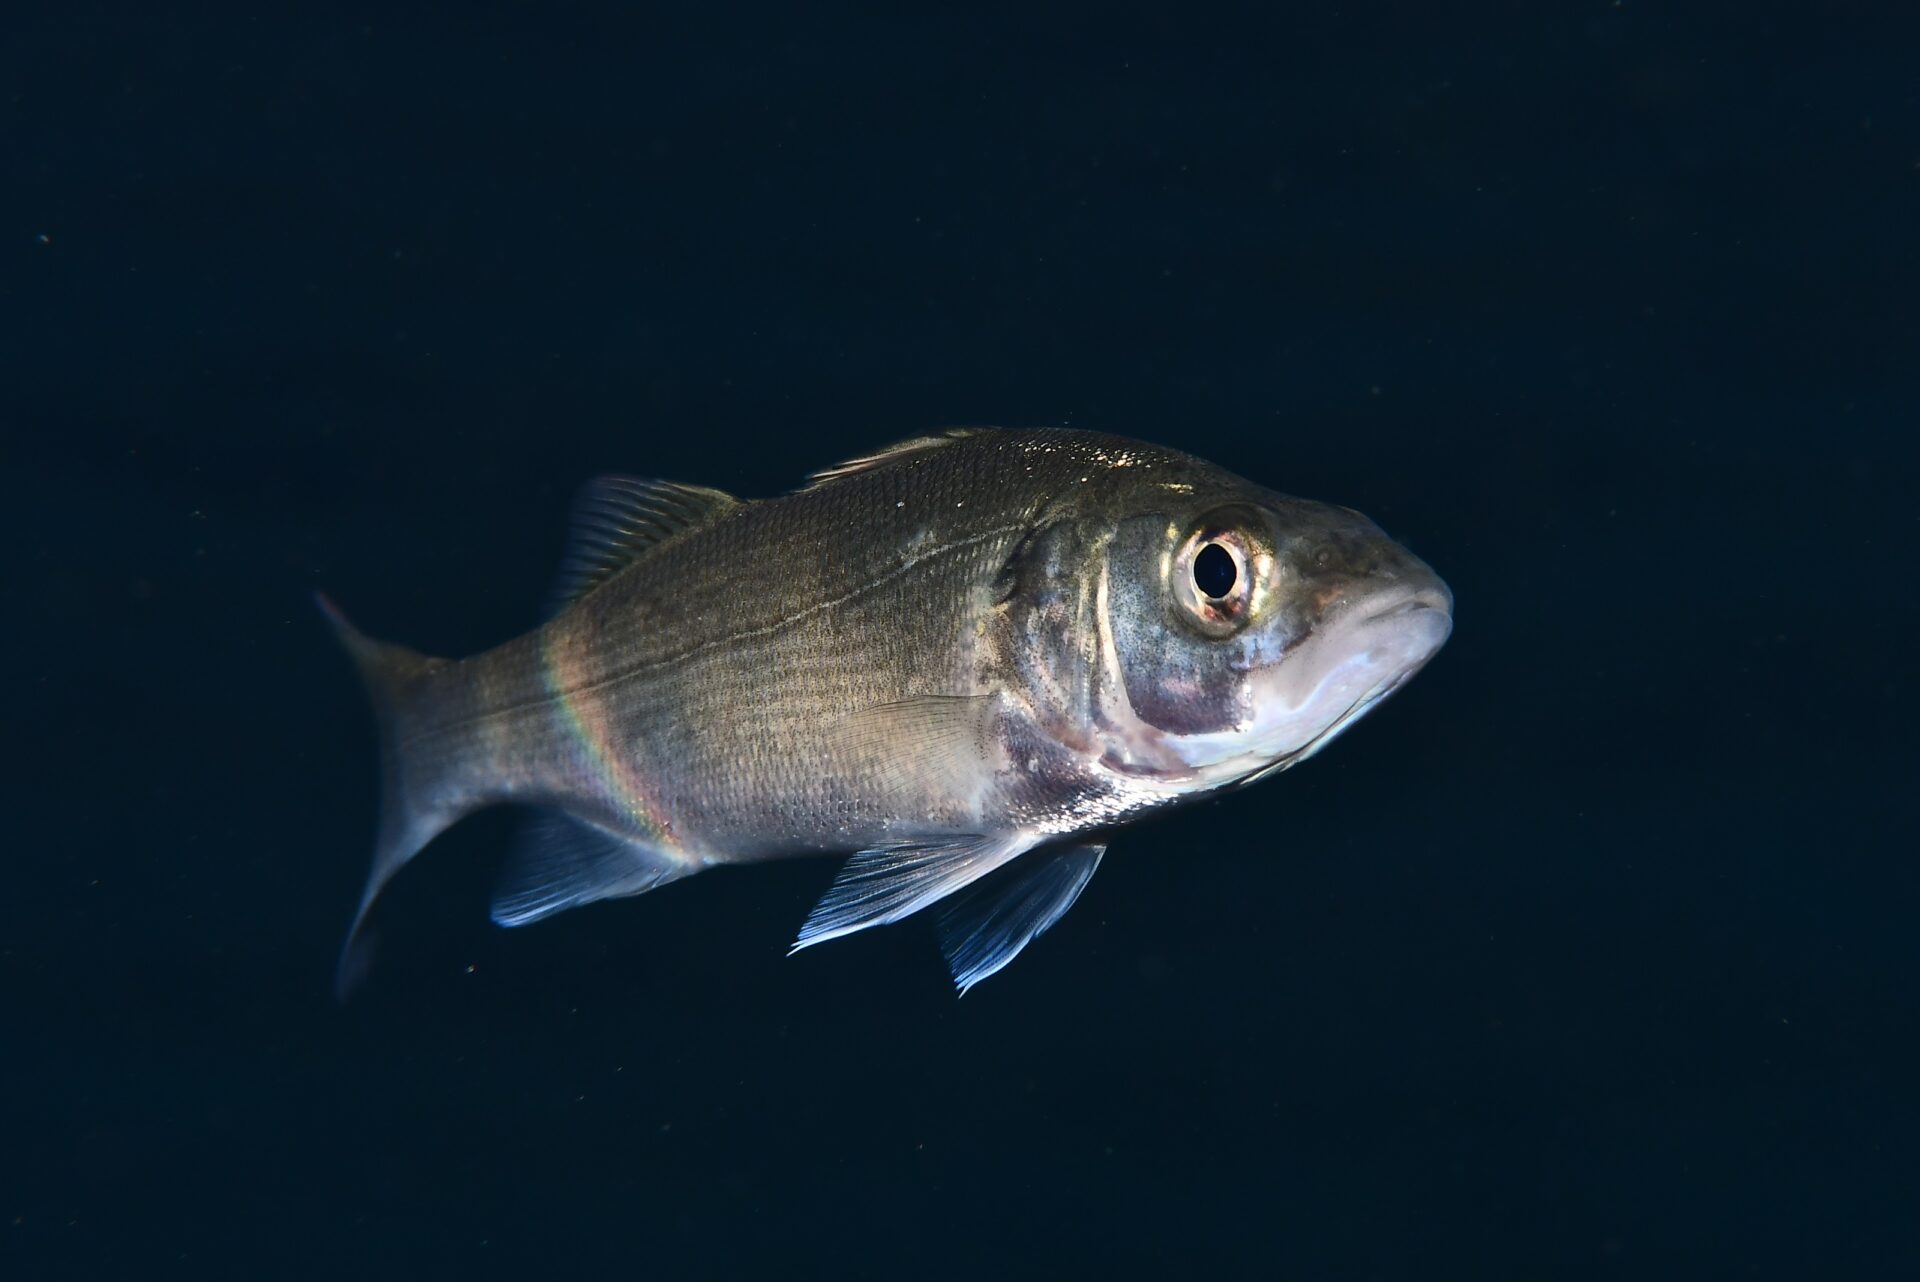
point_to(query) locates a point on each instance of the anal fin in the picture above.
(561, 862)
(987, 926)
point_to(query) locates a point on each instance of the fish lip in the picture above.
(1412, 600)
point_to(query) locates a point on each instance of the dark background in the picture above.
(1590, 956)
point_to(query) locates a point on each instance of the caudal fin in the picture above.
(396, 679)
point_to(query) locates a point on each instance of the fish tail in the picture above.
(395, 678)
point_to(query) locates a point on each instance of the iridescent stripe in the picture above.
(594, 745)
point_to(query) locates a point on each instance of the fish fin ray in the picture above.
(616, 519)
(894, 453)
(887, 883)
(986, 926)
(931, 742)
(562, 861)
(395, 678)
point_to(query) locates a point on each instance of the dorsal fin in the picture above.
(891, 454)
(618, 518)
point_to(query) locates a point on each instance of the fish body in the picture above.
(967, 653)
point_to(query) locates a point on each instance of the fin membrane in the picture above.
(987, 926)
(930, 744)
(891, 882)
(562, 862)
(618, 518)
(412, 812)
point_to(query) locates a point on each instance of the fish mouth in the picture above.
(1413, 600)
(1343, 672)
(1356, 656)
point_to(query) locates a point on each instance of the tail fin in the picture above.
(409, 818)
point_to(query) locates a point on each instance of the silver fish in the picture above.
(968, 651)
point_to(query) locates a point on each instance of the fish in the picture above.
(962, 662)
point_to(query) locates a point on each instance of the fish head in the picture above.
(1240, 630)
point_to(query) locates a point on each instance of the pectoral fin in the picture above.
(886, 884)
(987, 926)
(927, 746)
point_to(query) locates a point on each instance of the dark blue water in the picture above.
(1589, 956)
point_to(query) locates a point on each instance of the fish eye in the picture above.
(1214, 571)
(1217, 570)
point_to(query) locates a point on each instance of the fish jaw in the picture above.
(1328, 681)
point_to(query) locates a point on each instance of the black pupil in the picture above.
(1213, 571)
